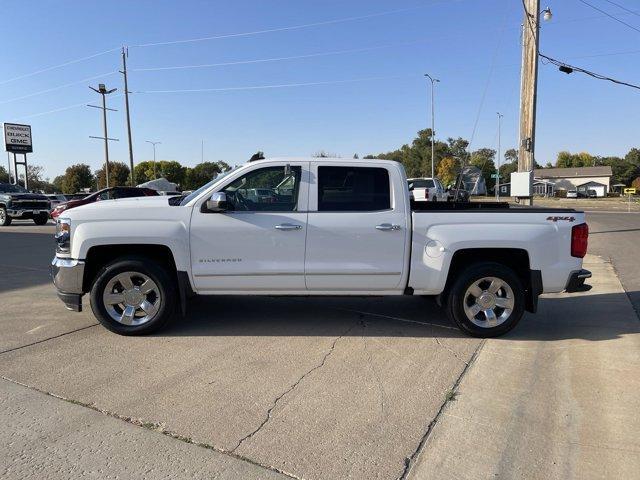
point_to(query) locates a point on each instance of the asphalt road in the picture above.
(616, 237)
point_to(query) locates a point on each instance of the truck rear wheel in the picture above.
(133, 296)
(5, 219)
(486, 300)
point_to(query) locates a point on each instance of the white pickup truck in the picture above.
(327, 227)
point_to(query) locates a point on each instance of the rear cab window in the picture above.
(353, 189)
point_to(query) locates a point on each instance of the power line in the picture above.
(277, 59)
(610, 16)
(48, 69)
(283, 29)
(567, 68)
(60, 109)
(84, 80)
(633, 12)
(281, 85)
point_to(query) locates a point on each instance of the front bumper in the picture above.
(576, 281)
(67, 275)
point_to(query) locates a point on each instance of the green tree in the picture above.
(57, 183)
(77, 177)
(200, 174)
(633, 156)
(575, 160)
(172, 171)
(143, 171)
(118, 175)
(511, 156)
(623, 171)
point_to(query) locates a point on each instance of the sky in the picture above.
(365, 61)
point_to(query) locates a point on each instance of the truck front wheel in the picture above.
(486, 300)
(5, 219)
(133, 297)
(41, 219)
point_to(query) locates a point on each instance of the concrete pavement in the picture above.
(47, 437)
(556, 399)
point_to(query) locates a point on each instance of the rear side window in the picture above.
(353, 189)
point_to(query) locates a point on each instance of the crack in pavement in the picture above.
(292, 387)
(49, 338)
(156, 427)
(410, 461)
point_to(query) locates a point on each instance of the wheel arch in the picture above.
(100, 255)
(515, 258)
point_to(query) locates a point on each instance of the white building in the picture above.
(581, 179)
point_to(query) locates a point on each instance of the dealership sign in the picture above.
(17, 138)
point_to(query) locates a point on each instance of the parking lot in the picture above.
(269, 387)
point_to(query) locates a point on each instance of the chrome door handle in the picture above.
(288, 226)
(387, 226)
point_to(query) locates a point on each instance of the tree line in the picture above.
(451, 154)
(79, 177)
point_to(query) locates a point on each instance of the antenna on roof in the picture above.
(257, 156)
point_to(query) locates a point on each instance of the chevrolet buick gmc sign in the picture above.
(17, 138)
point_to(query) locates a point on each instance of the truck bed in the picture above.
(484, 206)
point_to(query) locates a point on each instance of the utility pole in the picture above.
(499, 157)
(102, 90)
(433, 125)
(154, 156)
(125, 54)
(529, 89)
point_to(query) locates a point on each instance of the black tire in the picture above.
(5, 219)
(41, 219)
(456, 300)
(159, 275)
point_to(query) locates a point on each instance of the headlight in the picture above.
(63, 235)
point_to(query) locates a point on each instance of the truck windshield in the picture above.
(8, 188)
(197, 192)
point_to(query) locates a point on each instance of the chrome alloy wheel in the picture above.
(132, 298)
(488, 302)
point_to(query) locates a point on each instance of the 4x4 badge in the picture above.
(564, 219)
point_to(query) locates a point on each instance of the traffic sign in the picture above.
(630, 191)
(495, 175)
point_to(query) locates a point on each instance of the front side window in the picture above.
(355, 189)
(269, 189)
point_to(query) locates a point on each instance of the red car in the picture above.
(106, 194)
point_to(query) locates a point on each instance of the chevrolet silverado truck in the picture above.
(327, 227)
(17, 203)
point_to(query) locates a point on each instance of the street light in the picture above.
(154, 156)
(433, 125)
(547, 14)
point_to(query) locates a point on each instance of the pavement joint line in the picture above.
(393, 318)
(156, 427)
(50, 338)
(411, 460)
(293, 386)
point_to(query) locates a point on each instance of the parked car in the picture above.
(572, 194)
(105, 194)
(56, 199)
(16, 202)
(427, 190)
(346, 228)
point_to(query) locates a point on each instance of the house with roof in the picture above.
(548, 181)
(581, 179)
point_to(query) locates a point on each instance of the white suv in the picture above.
(426, 190)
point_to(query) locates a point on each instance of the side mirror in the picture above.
(217, 203)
